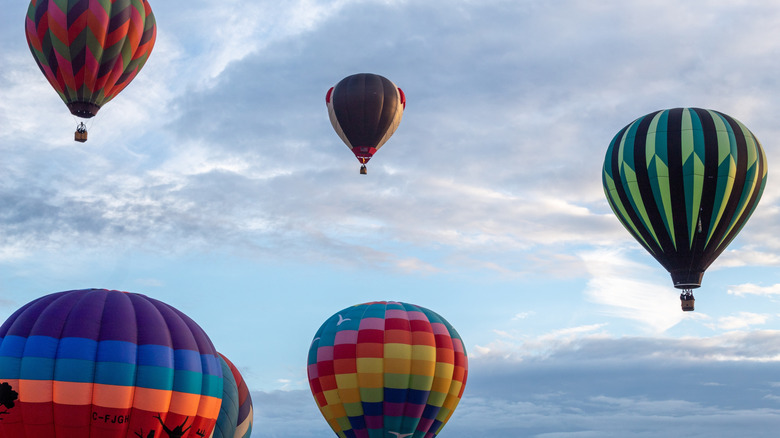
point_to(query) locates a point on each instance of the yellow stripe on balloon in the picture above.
(398, 351)
(371, 380)
(350, 395)
(424, 352)
(369, 365)
(398, 366)
(347, 381)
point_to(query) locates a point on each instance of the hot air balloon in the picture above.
(89, 50)
(365, 110)
(387, 369)
(683, 182)
(235, 414)
(107, 364)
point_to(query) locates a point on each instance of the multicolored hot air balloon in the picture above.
(385, 369)
(90, 50)
(235, 414)
(365, 110)
(107, 364)
(683, 182)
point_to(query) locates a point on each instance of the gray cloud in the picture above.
(596, 387)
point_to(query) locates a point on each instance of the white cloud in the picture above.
(414, 264)
(512, 346)
(233, 30)
(741, 290)
(747, 257)
(150, 282)
(594, 344)
(742, 320)
(626, 290)
(523, 315)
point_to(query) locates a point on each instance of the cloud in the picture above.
(219, 34)
(523, 315)
(620, 286)
(511, 346)
(749, 256)
(742, 320)
(281, 414)
(596, 387)
(753, 289)
(223, 139)
(605, 386)
(592, 344)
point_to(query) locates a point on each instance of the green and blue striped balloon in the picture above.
(683, 182)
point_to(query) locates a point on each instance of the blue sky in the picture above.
(215, 183)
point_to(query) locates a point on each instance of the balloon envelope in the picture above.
(387, 369)
(90, 50)
(365, 110)
(106, 364)
(236, 414)
(683, 182)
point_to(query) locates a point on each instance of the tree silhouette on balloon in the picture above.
(7, 397)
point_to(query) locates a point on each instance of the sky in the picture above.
(216, 184)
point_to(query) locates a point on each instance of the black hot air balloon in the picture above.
(365, 109)
(683, 182)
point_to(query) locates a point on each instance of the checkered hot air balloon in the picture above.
(683, 182)
(365, 110)
(90, 50)
(107, 364)
(385, 369)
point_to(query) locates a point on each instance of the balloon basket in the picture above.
(687, 304)
(81, 133)
(363, 170)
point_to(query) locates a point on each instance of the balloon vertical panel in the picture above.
(387, 368)
(107, 364)
(245, 418)
(228, 410)
(236, 413)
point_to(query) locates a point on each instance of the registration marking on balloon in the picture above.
(110, 418)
